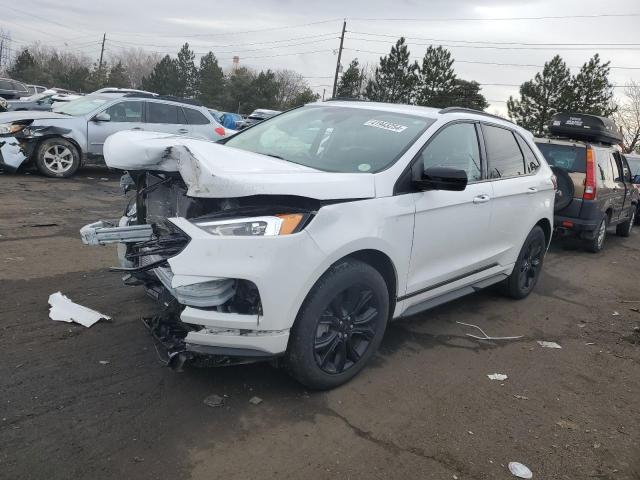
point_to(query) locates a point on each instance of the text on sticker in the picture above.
(393, 127)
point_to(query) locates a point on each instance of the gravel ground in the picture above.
(424, 409)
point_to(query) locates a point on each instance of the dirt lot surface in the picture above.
(425, 408)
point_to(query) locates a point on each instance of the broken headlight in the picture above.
(266, 226)
(9, 128)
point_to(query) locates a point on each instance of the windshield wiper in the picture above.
(275, 156)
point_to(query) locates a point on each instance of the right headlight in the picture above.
(9, 128)
(265, 226)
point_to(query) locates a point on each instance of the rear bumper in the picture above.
(571, 224)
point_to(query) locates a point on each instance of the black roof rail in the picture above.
(346, 99)
(471, 110)
(170, 98)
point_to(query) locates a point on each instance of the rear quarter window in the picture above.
(194, 117)
(572, 158)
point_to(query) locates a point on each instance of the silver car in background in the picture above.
(73, 134)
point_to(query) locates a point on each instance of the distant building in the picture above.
(236, 63)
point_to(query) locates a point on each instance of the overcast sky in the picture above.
(225, 27)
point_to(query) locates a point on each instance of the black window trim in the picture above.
(400, 189)
(513, 132)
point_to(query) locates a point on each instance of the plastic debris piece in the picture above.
(497, 376)
(519, 470)
(542, 343)
(484, 335)
(615, 314)
(64, 310)
(521, 397)
(568, 424)
(104, 362)
(255, 400)
(214, 401)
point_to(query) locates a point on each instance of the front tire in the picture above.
(339, 327)
(57, 158)
(527, 269)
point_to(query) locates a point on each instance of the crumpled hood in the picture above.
(212, 170)
(7, 117)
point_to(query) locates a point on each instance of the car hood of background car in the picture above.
(7, 117)
(213, 170)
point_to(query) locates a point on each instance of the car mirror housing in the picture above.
(102, 117)
(442, 178)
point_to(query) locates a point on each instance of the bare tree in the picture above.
(290, 84)
(628, 117)
(137, 62)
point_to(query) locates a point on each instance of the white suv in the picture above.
(304, 235)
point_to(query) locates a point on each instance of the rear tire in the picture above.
(527, 269)
(57, 158)
(339, 327)
(596, 244)
(624, 229)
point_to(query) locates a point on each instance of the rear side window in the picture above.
(505, 157)
(572, 158)
(194, 117)
(531, 163)
(164, 113)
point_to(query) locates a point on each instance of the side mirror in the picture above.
(442, 178)
(635, 179)
(102, 117)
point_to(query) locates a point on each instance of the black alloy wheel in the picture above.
(346, 329)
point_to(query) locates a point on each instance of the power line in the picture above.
(491, 42)
(495, 19)
(500, 47)
(488, 63)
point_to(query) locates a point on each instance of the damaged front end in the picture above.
(212, 320)
(18, 141)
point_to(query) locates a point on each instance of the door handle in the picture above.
(183, 130)
(484, 198)
(532, 190)
(136, 128)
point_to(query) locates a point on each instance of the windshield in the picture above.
(572, 158)
(334, 139)
(81, 106)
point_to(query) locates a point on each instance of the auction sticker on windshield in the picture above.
(392, 127)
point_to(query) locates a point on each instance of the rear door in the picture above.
(619, 187)
(166, 117)
(517, 190)
(123, 115)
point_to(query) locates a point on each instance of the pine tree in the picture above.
(591, 90)
(164, 78)
(187, 73)
(436, 78)
(395, 78)
(118, 76)
(350, 85)
(547, 93)
(464, 94)
(24, 67)
(211, 82)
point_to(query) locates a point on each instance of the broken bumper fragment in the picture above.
(105, 232)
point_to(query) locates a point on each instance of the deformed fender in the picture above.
(16, 149)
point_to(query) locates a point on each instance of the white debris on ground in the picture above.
(64, 310)
(549, 344)
(519, 470)
(497, 376)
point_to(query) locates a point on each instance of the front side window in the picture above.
(505, 157)
(334, 139)
(125, 112)
(82, 106)
(456, 146)
(164, 113)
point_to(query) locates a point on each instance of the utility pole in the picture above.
(104, 37)
(335, 80)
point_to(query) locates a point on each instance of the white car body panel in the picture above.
(439, 242)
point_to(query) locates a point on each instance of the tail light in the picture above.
(590, 178)
(220, 131)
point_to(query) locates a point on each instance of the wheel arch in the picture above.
(545, 224)
(68, 139)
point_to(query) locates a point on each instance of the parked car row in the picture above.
(60, 141)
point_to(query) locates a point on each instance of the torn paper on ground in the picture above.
(497, 376)
(542, 343)
(64, 310)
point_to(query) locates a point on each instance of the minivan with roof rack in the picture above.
(595, 188)
(74, 133)
(297, 240)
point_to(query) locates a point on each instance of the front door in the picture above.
(451, 228)
(125, 115)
